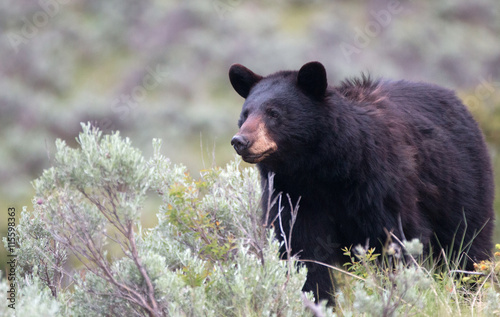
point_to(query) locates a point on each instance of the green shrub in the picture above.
(208, 255)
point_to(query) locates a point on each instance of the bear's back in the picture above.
(454, 182)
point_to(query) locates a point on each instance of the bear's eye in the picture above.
(273, 113)
(244, 115)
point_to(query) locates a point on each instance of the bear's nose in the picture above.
(239, 142)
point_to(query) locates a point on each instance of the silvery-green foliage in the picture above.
(4, 309)
(38, 253)
(33, 299)
(261, 289)
(413, 247)
(91, 297)
(91, 199)
(208, 256)
(105, 173)
(398, 292)
(36, 300)
(492, 300)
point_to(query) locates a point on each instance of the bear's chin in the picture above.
(255, 158)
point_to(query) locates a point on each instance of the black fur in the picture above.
(367, 155)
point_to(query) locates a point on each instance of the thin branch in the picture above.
(270, 191)
(142, 270)
(293, 213)
(87, 251)
(454, 288)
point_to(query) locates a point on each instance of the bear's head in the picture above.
(282, 112)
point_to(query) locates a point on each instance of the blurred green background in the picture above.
(158, 69)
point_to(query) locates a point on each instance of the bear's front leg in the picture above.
(320, 282)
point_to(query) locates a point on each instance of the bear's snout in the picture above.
(240, 143)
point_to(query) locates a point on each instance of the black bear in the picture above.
(365, 158)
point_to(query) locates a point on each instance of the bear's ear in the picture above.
(312, 79)
(242, 79)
